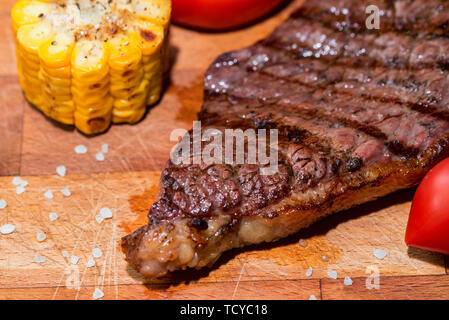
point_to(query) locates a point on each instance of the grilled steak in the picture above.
(360, 114)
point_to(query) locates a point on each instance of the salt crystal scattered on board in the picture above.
(324, 258)
(106, 213)
(98, 294)
(53, 216)
(309, 272)
(61, 171)
(65, 254)
(332, 274)
(99, 218)
(97, 253)
(48, 194)
(347, 281)
(3, 204)
(17, 181)
(81, 149)
(99, 156)
(312, 297)
(90, 263)
(40, 236)
(20, 190)
(105, 148)
(7, 229)
(380, 254)
(39, 259)
(74, 259)
(66, 192)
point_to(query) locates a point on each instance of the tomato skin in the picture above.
(428, 224)
(220, 15)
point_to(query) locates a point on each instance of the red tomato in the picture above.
(220, 14)
(428, 224)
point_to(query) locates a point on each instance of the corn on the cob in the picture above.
(89, 63)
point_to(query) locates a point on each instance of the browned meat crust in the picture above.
(360, 114)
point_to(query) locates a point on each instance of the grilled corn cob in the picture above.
(89, 63)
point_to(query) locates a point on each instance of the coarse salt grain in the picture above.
(96, 253)
(312, 297)
(105, 148)
(17, 181)
(61, 171)
(48, 194)
(39, 259)
(20, 190)
(3, 204)
(81, 149)
(40, 236)
(106, 213)
(66, 192)
(99, 218)
(90, 263)
(65, 254)
(99, 156)
(324, 258)
(74, 259)
(348, 281)
(309, 272)
(332, 274)
(53, 216)
(98, 294)
(380, 254)
(7, 229)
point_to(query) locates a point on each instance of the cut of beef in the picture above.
(359, 114)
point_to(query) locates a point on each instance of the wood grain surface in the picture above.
(127, 181)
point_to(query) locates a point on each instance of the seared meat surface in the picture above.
(359, 114)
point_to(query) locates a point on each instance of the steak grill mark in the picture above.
(407, 131)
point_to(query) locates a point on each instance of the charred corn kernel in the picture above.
(91, 63)
(154, 10)
(136, 99)
(154, 73)
(92, 125)
(148, 36)
(125, 90)
(127, 76)
(54, 54)
(90, 73)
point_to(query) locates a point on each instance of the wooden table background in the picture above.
(32, 147)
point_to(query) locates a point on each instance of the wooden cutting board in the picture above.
(127, 183)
